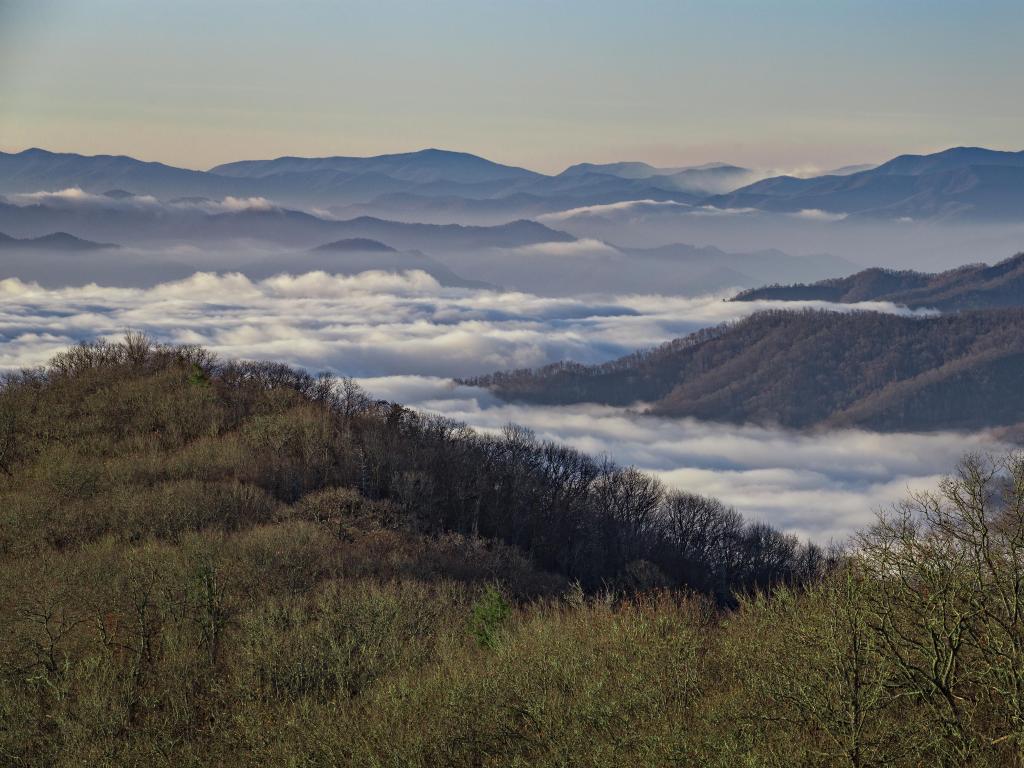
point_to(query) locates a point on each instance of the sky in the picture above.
(787, 84)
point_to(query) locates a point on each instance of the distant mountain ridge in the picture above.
(425, 166)
(963, 182)
(56, 241)
(355, 244)
(958, 183)
(325, 181)
(353, 256)
(269, 224)
(711, 178)
(976, 286)
(811, 369)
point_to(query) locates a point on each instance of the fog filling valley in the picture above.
(405, 337)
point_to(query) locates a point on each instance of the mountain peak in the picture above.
(356, 245)
(950, 159)
(423, 166)
(61, 241)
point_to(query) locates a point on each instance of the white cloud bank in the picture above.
(816, 214)
(74, 197)
(371, 324)
(406, 336)
(626, 206)
(819, 485)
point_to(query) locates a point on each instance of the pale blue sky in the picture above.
(783, 84)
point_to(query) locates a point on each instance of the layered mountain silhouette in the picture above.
(976, 286)
(963, 182)
(352, 256)
(326, 181)
(282, 226)
(303, 202)
(355, 245)
(428, 165)
(56, 241)
(811, 368)
(37, 169)
(706, 179)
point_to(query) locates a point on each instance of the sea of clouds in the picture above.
(370, 324)
(76, 198)
(822, 485)
(405, 337)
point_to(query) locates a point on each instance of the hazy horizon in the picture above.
(536, 85)
(798, 169)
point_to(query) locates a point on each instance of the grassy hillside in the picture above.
(801, 369)
(221, 564)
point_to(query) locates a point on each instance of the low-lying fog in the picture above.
(928, 246)
(823, 485)
(369, 324)
(406, 336)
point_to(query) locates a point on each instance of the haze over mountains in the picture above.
(59, 241)
(975, 286)
(593, 228)
(960, 183)
(147, 221)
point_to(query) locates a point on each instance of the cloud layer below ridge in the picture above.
(406, 336)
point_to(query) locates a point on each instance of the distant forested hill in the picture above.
(802, 369)
(975, 286)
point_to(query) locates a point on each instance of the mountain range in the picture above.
(192, 221)
(255, 236)
(959, 183)
(56, 241)
(56, 260)
(524, 256)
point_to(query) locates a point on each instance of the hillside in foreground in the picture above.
(975, 286)
(236, 564)
(811, 368)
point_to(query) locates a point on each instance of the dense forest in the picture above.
(811, 368)
(975, 286)
(229, 563)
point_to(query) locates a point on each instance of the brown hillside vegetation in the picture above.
(221, 564)
(809, 368)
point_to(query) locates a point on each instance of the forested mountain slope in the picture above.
(811, 368)
(135, 440)
(975, 286)
(237, 564)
